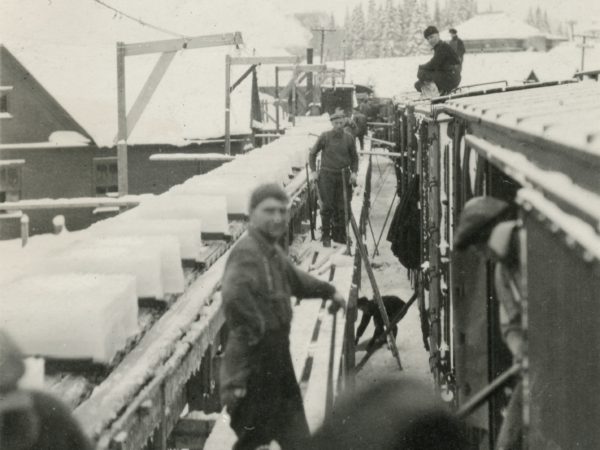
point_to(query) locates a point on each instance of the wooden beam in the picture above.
(242, 78)
(173, 45)
(191, 431)
(148, 90)
(264, 60)
(305, 67)
(122, 169)
(227, 104)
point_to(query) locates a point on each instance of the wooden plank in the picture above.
(303, 324)
(173, 45)
(264, 60)
(143, 98)
(305, 67)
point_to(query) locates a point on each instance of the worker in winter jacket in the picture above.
(32, 420)
(258, 384)
(339, 162)
(443, 69)
(360, 120)
(457, 44)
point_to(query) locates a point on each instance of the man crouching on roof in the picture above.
(258, 384)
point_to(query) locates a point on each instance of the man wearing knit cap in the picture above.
(443, 69)
(338, 154)
(258, 384)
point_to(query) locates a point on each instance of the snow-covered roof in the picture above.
(69, 46)
(494, 25)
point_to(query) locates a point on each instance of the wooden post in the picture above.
(24, 229)
(227, 104)
(277, 99)
(122, 125)
(294, 105)
(433, 188)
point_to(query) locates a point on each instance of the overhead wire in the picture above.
(140, 21)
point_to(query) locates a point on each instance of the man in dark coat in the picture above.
(457, 44)
(338, 155)
(360, 120)
(258, 384)
(443, 69)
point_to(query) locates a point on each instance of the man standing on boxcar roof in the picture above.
(258, 384)
(443, 69)
(457, 44)
(338, 154)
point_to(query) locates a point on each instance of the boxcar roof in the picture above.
(567, 114)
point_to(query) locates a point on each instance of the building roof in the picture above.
(69, 46)
(494, 25)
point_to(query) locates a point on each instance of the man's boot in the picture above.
(326, 240)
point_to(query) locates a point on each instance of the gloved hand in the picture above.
(353, 181)
(337, 302)
(231, 397)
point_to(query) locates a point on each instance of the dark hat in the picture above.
(265, 191)
(477, 219)
(453, 30)
(338, 114)
(429, 31)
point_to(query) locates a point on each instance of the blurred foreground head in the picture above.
(393, 414)
(12, 367)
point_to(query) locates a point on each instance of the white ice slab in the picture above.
(237, 191)
(187, 231)
(70, 316)
(166, 246)
(210, 209)
(143, 264)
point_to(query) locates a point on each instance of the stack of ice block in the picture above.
(144, 265)
(187, 231)
(236, 191)
(165, 247)
(211, 210)
(70, 316)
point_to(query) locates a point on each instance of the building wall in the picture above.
(35, 113)
(70, 172)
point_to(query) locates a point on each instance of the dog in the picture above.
(393, 305)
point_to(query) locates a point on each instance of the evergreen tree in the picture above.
(437, 15)
(346, 35)
(357, 32)
(399, 30)
(387, 35)
(418, 20)
(372, 31)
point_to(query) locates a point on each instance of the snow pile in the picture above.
(166, 247)
(494, 25)
(143, 264)
(71, 316)
(211, 210)
(187, 231)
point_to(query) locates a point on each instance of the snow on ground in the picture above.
(392, 280)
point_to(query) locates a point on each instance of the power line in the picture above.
(140, 21)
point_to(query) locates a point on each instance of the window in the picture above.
(106, 176)
(3, 103)
(10, 180)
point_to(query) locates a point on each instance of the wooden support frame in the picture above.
(167, 48)
(253, 61)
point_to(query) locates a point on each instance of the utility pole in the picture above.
(583, 47)
(323, 31)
